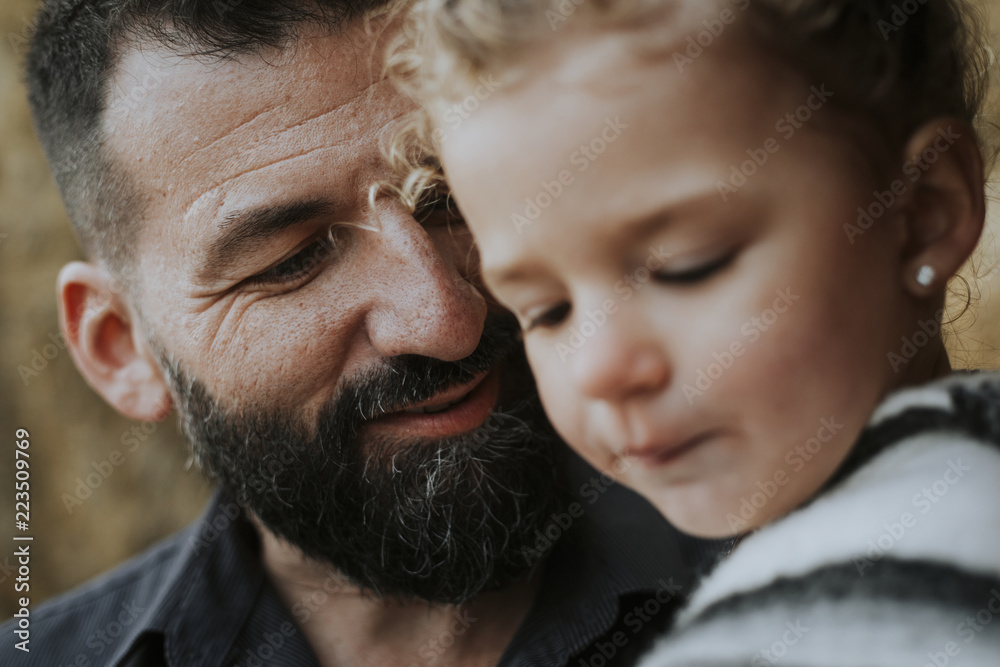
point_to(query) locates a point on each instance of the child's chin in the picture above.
(706, 530)
(698, 519)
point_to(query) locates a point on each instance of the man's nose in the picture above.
(424, 306)
(624, 359)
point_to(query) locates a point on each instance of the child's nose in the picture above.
(620, 362)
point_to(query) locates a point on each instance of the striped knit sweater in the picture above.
(896, 562)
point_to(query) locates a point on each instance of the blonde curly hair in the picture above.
(895, 64)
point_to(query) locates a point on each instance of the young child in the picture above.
(727, 228)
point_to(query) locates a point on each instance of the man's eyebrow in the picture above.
(242, 231)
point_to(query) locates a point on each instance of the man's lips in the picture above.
(458, 410)
(663, 453)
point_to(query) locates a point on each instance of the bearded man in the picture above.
(389, 490)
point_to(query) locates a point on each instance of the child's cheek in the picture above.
(563, 404)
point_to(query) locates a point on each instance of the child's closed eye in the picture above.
(547, 318)
(696, 274)
(552, 316)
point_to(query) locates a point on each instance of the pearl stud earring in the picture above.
(926, 275)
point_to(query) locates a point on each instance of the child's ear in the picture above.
(107, 344)
(947, 208)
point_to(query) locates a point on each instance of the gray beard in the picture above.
(439, 520)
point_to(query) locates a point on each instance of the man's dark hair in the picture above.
(71, 63)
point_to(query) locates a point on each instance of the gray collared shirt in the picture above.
(612, 579)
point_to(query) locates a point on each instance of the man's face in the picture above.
(338, 342)
(244, 166)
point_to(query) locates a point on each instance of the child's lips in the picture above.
(663, 452)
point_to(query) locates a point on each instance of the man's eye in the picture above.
(550, 318)
(301, 264)
(696, 274)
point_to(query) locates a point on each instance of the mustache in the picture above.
(439, 520)
(401, 381)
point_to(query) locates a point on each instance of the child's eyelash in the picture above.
(696, 274)
(555, 316)
(550, 318)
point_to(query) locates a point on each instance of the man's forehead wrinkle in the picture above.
(368, 91)
(251, 126)
(218, 189)
(352, 132)
(230, 134)
(201, 141)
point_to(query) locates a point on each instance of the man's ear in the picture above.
(947, 208)
(107, 343)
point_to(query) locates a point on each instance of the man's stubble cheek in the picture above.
(283, 360)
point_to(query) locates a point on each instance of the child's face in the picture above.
(718, 349)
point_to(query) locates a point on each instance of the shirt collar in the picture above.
(611, 543)
(218, 576)
(607, 543)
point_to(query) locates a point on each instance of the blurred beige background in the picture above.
(73, 432)
(151, 493)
